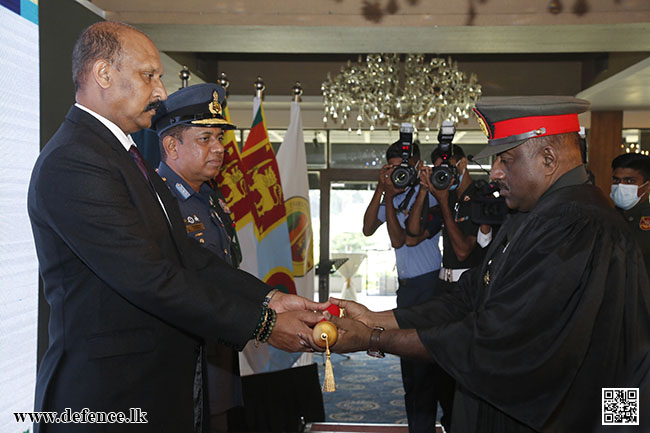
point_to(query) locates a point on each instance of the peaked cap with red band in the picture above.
(510, 121)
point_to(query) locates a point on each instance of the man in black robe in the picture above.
(559, 308)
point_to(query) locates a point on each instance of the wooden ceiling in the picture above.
(597, 49)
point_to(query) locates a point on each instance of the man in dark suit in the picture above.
(132, 297)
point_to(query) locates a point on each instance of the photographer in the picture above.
(460, 250)
(418, 265)
(459, 234)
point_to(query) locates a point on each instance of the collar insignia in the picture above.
(182, 190)
(644, 223)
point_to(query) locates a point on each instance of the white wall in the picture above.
(19, 147)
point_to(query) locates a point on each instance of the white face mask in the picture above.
(460, 180)
(625, 196)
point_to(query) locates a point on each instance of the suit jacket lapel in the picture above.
(127, 163)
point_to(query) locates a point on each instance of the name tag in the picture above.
(191, 228)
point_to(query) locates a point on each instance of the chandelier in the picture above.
(382, 94)
(634, 148)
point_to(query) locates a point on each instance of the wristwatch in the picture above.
(373, 346)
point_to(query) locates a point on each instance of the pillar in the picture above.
(604, 144)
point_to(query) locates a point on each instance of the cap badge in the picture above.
(214, 106)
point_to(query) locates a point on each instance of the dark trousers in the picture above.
(425, 383)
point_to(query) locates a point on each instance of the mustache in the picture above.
(154, 105)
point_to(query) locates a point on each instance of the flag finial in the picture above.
(296, 91)
(224, 81)
(185, 76)
(259, 87)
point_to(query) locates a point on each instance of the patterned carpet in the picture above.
(368, 390)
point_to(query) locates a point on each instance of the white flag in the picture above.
(292, 164)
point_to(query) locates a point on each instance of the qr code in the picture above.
(620, 406)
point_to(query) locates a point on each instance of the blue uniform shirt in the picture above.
(201, 221)
(422, 258)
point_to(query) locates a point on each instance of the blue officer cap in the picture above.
(198, 105)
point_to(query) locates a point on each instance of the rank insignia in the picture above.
(181, 189)
(644, 223)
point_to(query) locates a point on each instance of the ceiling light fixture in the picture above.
(381, 93)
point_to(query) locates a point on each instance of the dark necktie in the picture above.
(139, 161)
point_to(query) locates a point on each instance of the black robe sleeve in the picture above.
(565, 314)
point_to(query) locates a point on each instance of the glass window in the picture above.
(370, 269)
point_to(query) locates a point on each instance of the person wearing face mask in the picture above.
(418, 265)
(630, 190)
(460, 249)
(459, 234)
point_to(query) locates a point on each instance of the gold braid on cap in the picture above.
(482, 124)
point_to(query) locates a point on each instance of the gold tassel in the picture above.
(328, 383)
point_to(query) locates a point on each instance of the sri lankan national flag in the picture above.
(233, 181)
(268, 211)
(261, 167)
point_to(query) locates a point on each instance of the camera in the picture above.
(442, 175)
(486, 208)
(404, 174)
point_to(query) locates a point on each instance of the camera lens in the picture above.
(400, 177)
(440, 177)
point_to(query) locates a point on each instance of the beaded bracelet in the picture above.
(264, 324)
(268, 328)
(260, 323)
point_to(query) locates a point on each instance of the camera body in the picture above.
(405, 175)
(442, 175)
(486, 208)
